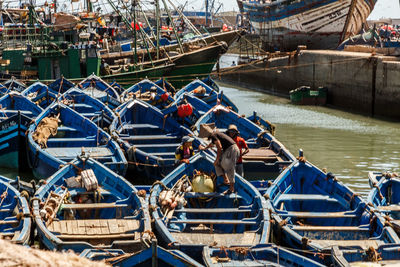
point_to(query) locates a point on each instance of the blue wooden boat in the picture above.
(16, 114)
(104, 212)
(89, 107)
(209, 218)
(117, 87)
(385, 255)
(149, 92)
(384, 197)
(14, 85)
(207, 94)
(149, 138)
(198, 106)
(40, 94)
(74, 134)
(168, 87)
(314, 211)
(15, 220)
(267, 156)
(210, 82)
(97, 88)
(257, 256)
(61, 85)
(266, 125)
(153, 256)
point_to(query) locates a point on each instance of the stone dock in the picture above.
(360, 82)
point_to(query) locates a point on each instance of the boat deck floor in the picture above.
(364, 244)
(66, 152)
(95, 229)
(262, 154)
(217, 239)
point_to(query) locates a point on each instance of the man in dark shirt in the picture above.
(227, 155)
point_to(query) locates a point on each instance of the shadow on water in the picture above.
(346, 144)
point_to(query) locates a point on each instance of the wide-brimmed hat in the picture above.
(205, 130)
(187, 139)
(232, 127)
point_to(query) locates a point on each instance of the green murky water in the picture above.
(346, 144)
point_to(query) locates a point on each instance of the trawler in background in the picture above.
(319, 24)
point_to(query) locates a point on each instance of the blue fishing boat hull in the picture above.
(315, 211)
(154, 255)
(61, 85)
(15, 217)
(149, 139)
(118, 205)
(40, 94)
(232, 216)
(260, 255)
(75, 135)
(385, 255)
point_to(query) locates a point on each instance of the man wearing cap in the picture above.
(227, 155)
(185, 150)
(241, 143)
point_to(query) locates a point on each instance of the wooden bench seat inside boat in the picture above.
(301, 214)
(67, 152)
(95, 229)
(261, 154)
(66, 129)
(10, 222)
(216, 210)
(217, 239)
(328, 228)
(364, 244)
(213, 221)
(211, 194)
(305, 197)
(80, 105)
(140, 126)
(93, 206)
(168, 145)
(150, 137)
(389, 208)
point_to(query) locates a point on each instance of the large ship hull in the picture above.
(319, 24)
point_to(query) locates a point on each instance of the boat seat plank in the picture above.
(93, 206)
(94, 237)
(66, 129)
(364, 244)
(71, 139)
(327, 228)
(67, 152)
(212, 221)
(207, 238)
(216, 210)
(211, 194)
(95, 227)
(300, 214)
(389, 208)
(173, 145)
(160, 154)
(5, 210)
(150, 137)
(305, 197)
(11, 222)
(140, 126)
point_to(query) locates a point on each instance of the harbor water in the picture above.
(346, 144)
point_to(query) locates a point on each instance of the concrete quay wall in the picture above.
(357, 82)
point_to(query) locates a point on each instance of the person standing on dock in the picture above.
(227, 155)
(241, 143)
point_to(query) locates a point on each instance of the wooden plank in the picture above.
(328, 228)
(216, 210)
(104, 227)
(112, 226)
(389, 208)
(204, 221)
(93, 237)
(81, 227)
(93, 206)
(11, 222)
(73, 226)
(300, 214)
(90, 226)
(63, 227)
(132, 225)
(56, 226)
(365, 244)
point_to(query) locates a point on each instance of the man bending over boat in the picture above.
(227, 155)
(241, 143)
